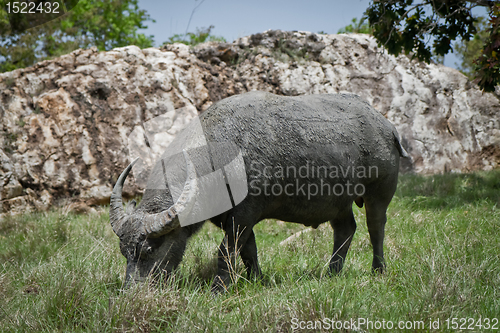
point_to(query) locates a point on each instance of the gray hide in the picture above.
(339, 133)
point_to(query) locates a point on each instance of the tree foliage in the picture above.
(104, 24)
(428, 27)
(356, 26)
(200, 36)
(468, 51)
(487, 66)
(23, 15)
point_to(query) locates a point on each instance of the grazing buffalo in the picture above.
(301, 159)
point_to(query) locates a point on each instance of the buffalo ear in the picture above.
(130, 207)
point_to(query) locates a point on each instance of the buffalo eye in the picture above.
(144, 250)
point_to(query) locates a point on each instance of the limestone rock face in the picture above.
(65, 122)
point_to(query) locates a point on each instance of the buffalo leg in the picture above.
(249, 256)
(344, 227)
(375, 219)
(235, 238)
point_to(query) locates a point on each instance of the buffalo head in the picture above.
(152, 243)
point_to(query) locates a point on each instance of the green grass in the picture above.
(63, 273)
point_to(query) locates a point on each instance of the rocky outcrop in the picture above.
(65, 122)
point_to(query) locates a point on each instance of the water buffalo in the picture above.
(306, 159)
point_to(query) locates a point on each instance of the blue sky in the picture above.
(236, 18)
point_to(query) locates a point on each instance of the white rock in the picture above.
(67, 120)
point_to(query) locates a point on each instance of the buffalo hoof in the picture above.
(218, 286)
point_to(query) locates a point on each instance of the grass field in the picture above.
(63, 272)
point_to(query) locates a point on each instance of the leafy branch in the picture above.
(426, 29)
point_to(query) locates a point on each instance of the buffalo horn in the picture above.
(161, 223)
(116, 212)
